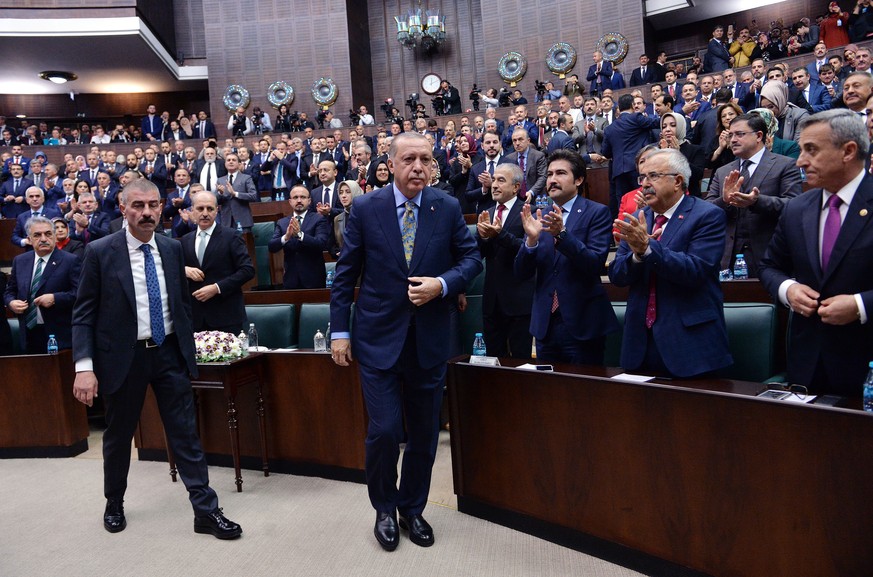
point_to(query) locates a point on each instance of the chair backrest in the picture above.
(751, 331)
(275, 324)
(612, 357)
(313, 316)
(16, 339)
(471, 323)
(262, 233)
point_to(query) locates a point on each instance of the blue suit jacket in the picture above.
(625, 137)
(819, 97)
(845, 350)
(572, 268)
(60, 277)
(12, 209)
(690, 328)
(605, 73)
(717, 57)
(637, 78)
(171, 211)
(104, 316)
(560, 139)
(373, 251)
(476, 199)
(304, 261)
(19, 232)
(617, 81)
(98, 228)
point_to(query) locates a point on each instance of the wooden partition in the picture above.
(665, 477)
(39, 417)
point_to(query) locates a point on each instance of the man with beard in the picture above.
(302, 237)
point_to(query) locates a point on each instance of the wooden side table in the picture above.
(229, 376)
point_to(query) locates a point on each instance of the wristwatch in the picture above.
(561, 235)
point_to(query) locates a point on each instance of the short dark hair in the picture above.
(625, 102)
(668, 100)
(577, 163)
(723, 95)
(756, 122)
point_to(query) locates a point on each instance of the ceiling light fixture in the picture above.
(57, 76)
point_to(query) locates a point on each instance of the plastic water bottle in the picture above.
(329, 281)
(868, 390)
(239, 229)
(52, 348)
(542, 202)
(478, 345)
(319, 342)
(327, 337)
(253, 337)
(741, 270)
(243, 342)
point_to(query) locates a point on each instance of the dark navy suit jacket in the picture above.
(304, 261)
(605, 74)
(19, 233)
(373, 251)
(625, 137)
(12, 209)
(572, 268)
(60, 277)
(690, 328)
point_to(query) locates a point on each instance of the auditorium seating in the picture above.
(275, 324)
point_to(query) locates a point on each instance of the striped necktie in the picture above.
(30, 319)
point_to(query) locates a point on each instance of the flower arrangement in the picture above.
(213, 346)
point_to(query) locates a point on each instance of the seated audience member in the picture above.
(302, 237)
(673, 136)
(217, 265)
(348, 191)
(774, 97)
(87, 223)
(42, 289)
(36, 207)
(669, 257)
(718, 151)
(64, 242)
(506, 302)
(571, 313)
(752, 192)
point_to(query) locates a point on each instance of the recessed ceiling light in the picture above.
(20, 116)
(57, 76)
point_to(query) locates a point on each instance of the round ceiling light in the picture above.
(57, 76)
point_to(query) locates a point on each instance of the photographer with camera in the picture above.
(261, 121)
(364, 117)
(239, 124)
(475, 97)
(451, 98)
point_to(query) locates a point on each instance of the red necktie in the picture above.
(500, 210)
(651, 307)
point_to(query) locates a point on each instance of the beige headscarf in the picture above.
(681, 126)
(776, 92)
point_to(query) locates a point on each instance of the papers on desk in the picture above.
(785, 396)
(259, 349)
(629, 378)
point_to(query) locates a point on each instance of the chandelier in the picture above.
(411, 33)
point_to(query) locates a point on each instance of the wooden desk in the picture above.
(315, 418)
(39, 417)
(662, 476)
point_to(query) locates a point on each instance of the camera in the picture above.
(541, 89)
(239, 125)
(354, 117)
(386, 108)
(439, 105)
(504, 98)
(474, 96)
(320, 117)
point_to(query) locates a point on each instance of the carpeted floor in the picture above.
(303, 526)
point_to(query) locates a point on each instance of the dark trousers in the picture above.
(410, 391)
(164, 368)
(560, 346)
(507, 335)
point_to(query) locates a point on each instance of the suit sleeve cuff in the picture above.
(335, 336)
(782, 293)
(445, 287)
(862, 312)
(84, 365)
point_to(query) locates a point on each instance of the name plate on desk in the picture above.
(486, 361)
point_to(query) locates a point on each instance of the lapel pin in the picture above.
(681, 216)
(863, 212)
(578, 210)
(432, 209)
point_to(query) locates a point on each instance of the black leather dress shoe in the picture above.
(386, 531)
(420, 531)
(217, 525)
(113, 516)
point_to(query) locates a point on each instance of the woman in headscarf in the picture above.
(673, 128)
(774, 97)
(380, 177)
(467, 155)
(718, 152)
(348, 191)
(773, 143)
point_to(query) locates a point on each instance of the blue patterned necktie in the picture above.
(407, 231)
(153, 287)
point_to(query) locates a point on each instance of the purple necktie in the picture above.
(831, 230)
(652, 304)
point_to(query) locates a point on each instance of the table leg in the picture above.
(171, 460)
(262, 423)
(233, 426)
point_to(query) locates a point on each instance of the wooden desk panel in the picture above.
(316, 421)
(39, 417)
(8, 251)
(720, 482)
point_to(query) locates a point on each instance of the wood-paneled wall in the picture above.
(256, 44)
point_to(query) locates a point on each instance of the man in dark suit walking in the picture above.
(42, 289)
(410, 248)
(752, 191)
(302, 238)
(132, 328)
(566, 249)
(506, 302)
(217, 265)
(819, 260)
(669, 254)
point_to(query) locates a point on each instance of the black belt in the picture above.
(150, 343)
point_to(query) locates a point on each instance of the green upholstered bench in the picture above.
(751, 331)
(313, 316)
(16, 339)
(262, 233)
(275, 324)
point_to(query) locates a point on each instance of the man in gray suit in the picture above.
(753, 190)
(131, 329)
(235, 192)
(532, 163)
(588, 132)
